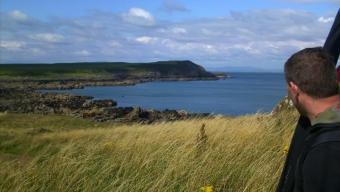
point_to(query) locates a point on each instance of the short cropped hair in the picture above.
(313, 71)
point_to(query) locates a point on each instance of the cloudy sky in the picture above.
(217, 33)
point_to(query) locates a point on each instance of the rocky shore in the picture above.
(18, 94)
(18, 100)
(80, 83)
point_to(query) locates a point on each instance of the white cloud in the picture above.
(296, 29)
(298, 44)
(97, 25)
(17, 15)
(82, 53)
(20, 23)
(146, 40)
(48, 37)
(179, 30)
(250, 48)
(12, 45)
(329, 19)
(114, 44)
(139, 17)
(37, 51)
(175, 30)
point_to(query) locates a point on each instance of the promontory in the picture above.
(78, 75)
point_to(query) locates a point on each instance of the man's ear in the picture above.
(295, 88)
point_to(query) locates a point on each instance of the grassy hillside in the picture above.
(58, 69)
(59, 153)
(89, 69)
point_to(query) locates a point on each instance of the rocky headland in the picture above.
(108, 75)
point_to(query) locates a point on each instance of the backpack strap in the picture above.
(328, 136)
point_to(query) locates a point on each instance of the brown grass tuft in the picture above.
(202, 139)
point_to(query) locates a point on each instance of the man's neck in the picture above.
(317, 106)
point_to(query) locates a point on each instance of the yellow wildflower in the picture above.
(207, 189)
(107, 145)
(286, 149)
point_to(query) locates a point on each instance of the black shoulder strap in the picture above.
(329, 136)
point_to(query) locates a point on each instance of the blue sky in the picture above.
(260, 34)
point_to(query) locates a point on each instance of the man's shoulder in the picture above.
(326, 135)
(322, 144)
(327, 147)
(324, 154)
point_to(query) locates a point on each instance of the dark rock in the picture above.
(135, 113)
(99, 103)
(29, 101)
(171, 114)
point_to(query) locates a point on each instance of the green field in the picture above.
(88, 69)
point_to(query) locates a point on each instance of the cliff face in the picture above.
(177, 69)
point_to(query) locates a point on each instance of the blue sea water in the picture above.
(245, 93)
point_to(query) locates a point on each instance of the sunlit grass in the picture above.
(240, 154)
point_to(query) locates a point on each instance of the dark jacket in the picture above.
(319, 169)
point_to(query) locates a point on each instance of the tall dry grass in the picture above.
(232, 154)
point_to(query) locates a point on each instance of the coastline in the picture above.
(18, 85)
(20, 96)
(79, 83)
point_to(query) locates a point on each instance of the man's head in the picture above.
(312, 71)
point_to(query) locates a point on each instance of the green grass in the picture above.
(58, 69)
(53, 122)
(62, 70)
(18, 130)
(60, 153)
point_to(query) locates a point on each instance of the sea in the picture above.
(245, 93)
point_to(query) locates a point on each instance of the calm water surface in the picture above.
(247, 93)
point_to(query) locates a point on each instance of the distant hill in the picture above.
(91, 69)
